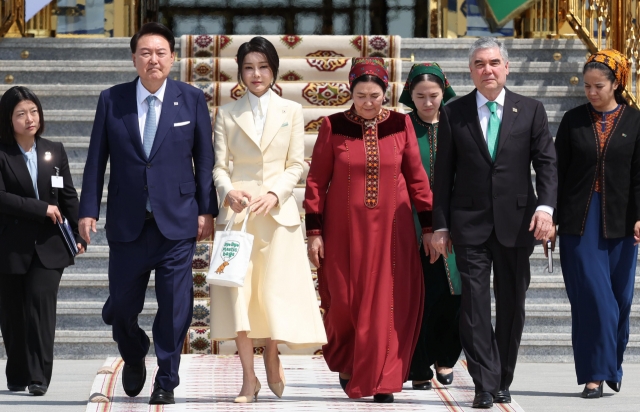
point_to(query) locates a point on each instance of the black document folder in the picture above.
(68, 236)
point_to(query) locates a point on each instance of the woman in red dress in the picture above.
(366, 170)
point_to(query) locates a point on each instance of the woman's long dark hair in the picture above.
(8, 103)
(263, 46)
(610, 75)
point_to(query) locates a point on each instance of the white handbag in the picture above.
(231, 255)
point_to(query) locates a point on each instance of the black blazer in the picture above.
(473, 195)
(578, 153)
(24, 225)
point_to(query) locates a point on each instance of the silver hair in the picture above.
(488, 43)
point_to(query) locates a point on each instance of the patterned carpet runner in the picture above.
(210, 383)
(294, 46)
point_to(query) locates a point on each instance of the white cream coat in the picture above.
(274, 166)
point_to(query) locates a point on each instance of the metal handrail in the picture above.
(610, 24)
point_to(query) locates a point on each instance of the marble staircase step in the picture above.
(518, 49)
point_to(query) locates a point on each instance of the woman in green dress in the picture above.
(425, 92)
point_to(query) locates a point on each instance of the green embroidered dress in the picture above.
(427, 135)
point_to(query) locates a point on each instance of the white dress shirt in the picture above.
(143, 106)
(484, 114)
(259, 106)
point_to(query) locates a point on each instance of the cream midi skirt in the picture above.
(278, 300)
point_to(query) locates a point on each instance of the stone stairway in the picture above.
(68, 76)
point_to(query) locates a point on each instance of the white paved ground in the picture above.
(537, 388)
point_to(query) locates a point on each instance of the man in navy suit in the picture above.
(157, 134)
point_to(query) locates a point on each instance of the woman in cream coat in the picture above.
(262, 135)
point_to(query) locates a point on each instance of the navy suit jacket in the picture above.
(177, 175)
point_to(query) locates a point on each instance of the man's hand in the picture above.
(636, 233)
(264, 204)
(552, 238)
(86, 224)
(429, 250)
(441, 242)
(205, 227)
(315, 249)
(54, 214)
(80, 248)
(542, 223)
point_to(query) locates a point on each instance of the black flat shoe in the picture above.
(482, 400)
(133, 378)
(502, 396)
(16, 388)
(37, 389)
(161, 397)
(424, 386)
(343, 383)
(445, 379)
(615, 386)
(592, 393)
(383, 398)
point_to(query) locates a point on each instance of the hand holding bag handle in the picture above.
(231, 245)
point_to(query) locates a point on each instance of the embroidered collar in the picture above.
(414, 116)
(368, 123)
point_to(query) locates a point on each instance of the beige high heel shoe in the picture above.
(278, 387)
(250, 399)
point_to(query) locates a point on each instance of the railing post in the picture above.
(618, 20)
(16, 23)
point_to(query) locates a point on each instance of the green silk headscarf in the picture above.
(425, 68)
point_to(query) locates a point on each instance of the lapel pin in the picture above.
(515, 110)
(624, 135)
(47, 156)
(175, 103)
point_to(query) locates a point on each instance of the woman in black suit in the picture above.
(36, 191)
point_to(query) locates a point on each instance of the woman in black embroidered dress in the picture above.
(598, 152)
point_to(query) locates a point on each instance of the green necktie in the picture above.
(493, 130)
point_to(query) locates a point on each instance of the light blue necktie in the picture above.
(493, 130)
(150, 128)
(32, 164)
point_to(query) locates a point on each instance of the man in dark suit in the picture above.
(485, 205)
(157, 134)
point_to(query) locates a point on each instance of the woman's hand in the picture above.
(315, 249)
(80, 249)
(238, 200)
(264, 203)
(636, 233)
(54, 214)
(429, 250)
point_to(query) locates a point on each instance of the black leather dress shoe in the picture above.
(592, 393)
(161, 397)
(37, 389)
(343, 383)
(16, 388)
(424, 386)
(483, 400)
(383, 398)
(503, 396)
(445, 379)
(133, 378)
(616, 386)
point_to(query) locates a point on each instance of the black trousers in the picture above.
(28, 322)
(439, 340)
(491, 357)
